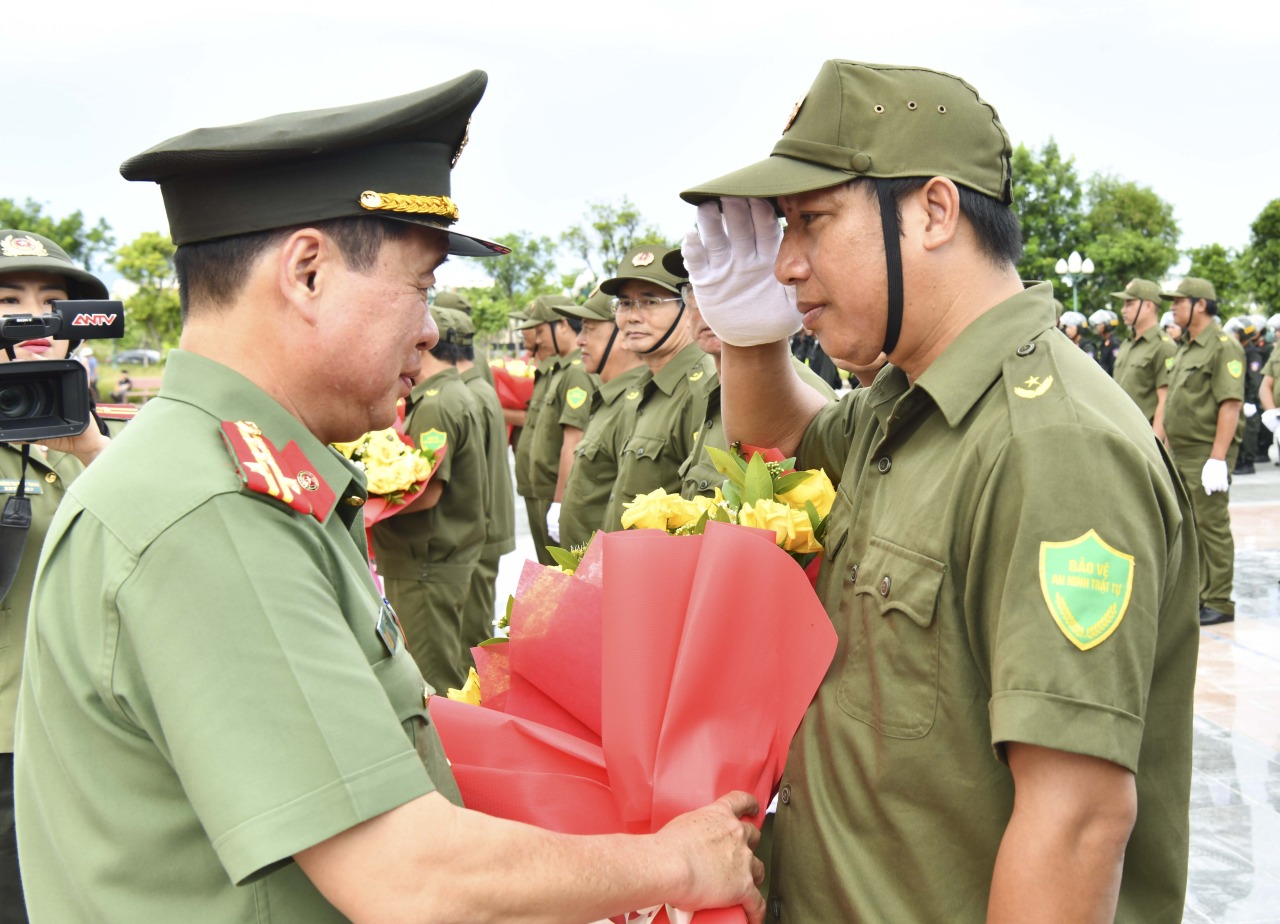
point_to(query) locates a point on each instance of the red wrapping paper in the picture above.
(514, 391)
(701, 654)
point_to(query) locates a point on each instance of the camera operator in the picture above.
(34, 272)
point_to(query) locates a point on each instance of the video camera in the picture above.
(44, 399)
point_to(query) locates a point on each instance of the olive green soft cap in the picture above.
(646, 263)
(878, 120)
(454, 326)
(27, 252)
(542, 310)
(598, 307)
(390, 158)
(1194, 288)
(1143, 289)
(454, 300)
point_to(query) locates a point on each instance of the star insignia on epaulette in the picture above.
(1033, 387)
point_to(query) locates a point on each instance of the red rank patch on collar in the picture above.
(285, 475)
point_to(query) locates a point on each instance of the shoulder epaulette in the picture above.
(285, 475)
(117, 411)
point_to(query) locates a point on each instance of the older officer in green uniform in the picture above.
(697, 474)
(500, 513)
(558, 413)
(34, 272)
(427, 553)
(993, 640)
(1143, 363)
(664, 413)
(595, 464)
(1203, 427)
(218, 713)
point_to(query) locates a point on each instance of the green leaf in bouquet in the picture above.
(700, 527)
(732, 494)
(820, 531)
(505, 622)
(790, 480)
(728, 464)
(565, 559)
(497, 640)
(759, 483)
(719, 514)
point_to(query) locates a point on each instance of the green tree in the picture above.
(1047, 197)
(153, 315)
(82, 243)
(1132, 233)
(1260, 263)
(1221, 267)
(517, 277)
(608, 231)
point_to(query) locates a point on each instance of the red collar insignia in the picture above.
(284, 474)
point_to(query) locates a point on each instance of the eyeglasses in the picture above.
(640, 304)
(430, 294)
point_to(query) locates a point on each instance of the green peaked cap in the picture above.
(1194, 288)
(454, 326)
(28, 252)
(542, 310)
(1143, 289)
(878, 120)
(390, 158)
(646, 263)
(598, 307)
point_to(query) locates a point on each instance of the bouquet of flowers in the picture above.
(395, 470)
(765, 493)
(643, 678)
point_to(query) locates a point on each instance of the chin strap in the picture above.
(893, 266)
(670, 330)
(608, 348)
(15, 521)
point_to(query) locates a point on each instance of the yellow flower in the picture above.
(647, 511)
(817, 488)
(397, 475)
(349, 449)
(800, 534)
(681, 512)
(385, 447)
(422, 463)
(470, 692)
(768, 514)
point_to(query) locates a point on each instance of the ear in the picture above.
(939, 204)
(305, 268)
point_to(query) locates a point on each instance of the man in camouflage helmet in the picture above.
(663, 412)
(1203, 427)
(993, 640)
(218, 712)
(595, 466)
(1145, 360)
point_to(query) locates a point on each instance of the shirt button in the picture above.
(785, 796)
(639, 411)
(355, 501)
(50, 477)
(853, 574)
(885, 584)
(884, 465)
(708, 424)
(702, 485)
(640, 451)
(775, 907)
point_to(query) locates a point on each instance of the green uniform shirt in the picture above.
(206, 692)
(566, 402)
(1142, 368)
(896, 794)
(595, 464)
(697, 474)
(665, 416)
(444, 540)
(500, 531)
(1272, 368)
(48, 475)
(542, 376)
(1207, 370)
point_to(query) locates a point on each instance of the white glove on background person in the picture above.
(730, 259)
(1213, 477)
(1250, 409)
(553, 522)
(1271, 419)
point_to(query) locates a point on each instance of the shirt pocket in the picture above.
(645, 448)
(889, 679)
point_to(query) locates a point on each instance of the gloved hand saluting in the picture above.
(1213, 477)
(730, 259)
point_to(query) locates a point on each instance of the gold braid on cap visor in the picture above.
(399, 202)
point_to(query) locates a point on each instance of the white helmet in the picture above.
(1072, 319)
(1103, 316)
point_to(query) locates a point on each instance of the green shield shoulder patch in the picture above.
(1169, 362)
(433, 440)
(1235, 367)
(575, 397)
(1086, 585)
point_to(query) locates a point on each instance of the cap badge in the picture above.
(795, 111)
(401, 202)
(642, 259)
(22, 247)
(466, 136)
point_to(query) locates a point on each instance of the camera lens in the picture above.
(24, 400)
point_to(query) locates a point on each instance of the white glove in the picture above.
(1250, 409)
(1213, 477)
(1271, 419)
(553, 522)
(730, 259)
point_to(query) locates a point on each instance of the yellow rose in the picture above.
(647, 511)
(470, 692)
(397, 475)
(817, 488)
(422, 464)
(800, 538)
(385, 447)
(681, 512)
(768, 514)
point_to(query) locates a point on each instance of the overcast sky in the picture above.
(593, 101)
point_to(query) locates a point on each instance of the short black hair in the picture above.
(994, 223)
(1210, 306)
(574, 322)
(447, 352)
(213, 272)
(468, 352)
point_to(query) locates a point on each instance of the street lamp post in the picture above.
(1072, 270)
